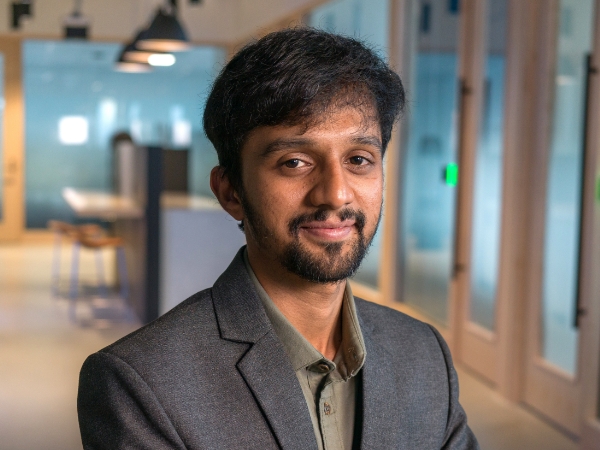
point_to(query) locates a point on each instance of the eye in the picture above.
(294, 163)
(359, 160)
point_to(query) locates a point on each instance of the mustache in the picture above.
(322, 215)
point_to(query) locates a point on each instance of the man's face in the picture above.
(312, 196)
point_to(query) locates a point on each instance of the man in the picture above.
(279, 354)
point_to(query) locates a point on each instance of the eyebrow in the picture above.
(285, 144)
(368, 140)
(290, 143)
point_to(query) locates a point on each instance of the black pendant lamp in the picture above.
(165, 33)
(124, 65)
(133, 53)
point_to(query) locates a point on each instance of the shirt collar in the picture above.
(351, 354)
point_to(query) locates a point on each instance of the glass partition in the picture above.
(430, 170)
(75, 103)
(368, 21)
(564, 183)
(487, 200)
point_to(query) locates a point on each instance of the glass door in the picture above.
(552, 383)
(452, 178)
(11, 140)
(430, 170)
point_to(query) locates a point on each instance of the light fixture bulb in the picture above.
(129, 60)
(139, 56)
(161, 59)
(132, 67)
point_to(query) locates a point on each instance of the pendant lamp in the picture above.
(165, 34)
(124, 65)
(133, 53)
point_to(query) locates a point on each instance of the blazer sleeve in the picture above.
(458, 435)
(117, 409)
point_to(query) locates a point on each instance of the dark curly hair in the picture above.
(292, 77)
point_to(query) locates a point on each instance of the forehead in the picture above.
(339, 123)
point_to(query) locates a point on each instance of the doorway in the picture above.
(563, 213)
(452, 171)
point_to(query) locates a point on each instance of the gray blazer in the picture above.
(212, 374)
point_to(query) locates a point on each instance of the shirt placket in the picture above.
(328, 417)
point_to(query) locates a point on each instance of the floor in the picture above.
(41, 352)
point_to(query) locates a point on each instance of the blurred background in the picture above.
(491, 228)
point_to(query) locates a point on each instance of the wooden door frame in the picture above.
(590, 283)
(474, 345)
(517, 199)
(13, 152)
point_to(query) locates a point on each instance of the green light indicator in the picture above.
(451, 176)
(598, 189)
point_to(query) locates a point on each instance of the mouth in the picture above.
(328, 230)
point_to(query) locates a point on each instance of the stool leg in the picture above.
(74, 280)
(56, 265)
(100, 274)
(122, 267)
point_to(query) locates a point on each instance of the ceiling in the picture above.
(220, 22)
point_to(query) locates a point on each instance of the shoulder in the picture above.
(177, 328)
(398, 332)
(183, 344)
(387, 320)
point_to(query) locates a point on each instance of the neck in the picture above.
(314, 309)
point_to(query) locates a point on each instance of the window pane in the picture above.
(563, 201)
(75, 102)
(366, 20)
(430, 162)
(488, 173)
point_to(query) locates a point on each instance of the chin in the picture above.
(334, 262)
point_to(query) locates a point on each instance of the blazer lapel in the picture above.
(382, 411)
(265, 367)
(269, 374)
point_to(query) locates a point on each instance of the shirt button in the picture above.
(327, 408)
(323, 368)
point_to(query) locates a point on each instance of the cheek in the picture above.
(277, 203)
(370, 198)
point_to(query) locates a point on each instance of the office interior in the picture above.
(491, 221)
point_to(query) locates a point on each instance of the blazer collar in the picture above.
(238, 308)
(265, 367)
(267, 370)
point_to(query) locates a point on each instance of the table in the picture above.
(102, 205)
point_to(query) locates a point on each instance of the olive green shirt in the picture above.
(329, 387)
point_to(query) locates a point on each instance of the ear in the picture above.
(225, 193)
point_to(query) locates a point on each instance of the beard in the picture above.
(330, 267)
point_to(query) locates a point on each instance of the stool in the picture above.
(64, 230)
(97, 242)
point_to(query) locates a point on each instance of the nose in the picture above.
(331, 188)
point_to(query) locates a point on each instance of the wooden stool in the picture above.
(64, 230)
(98, 243)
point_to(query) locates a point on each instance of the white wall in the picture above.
(196, 247)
